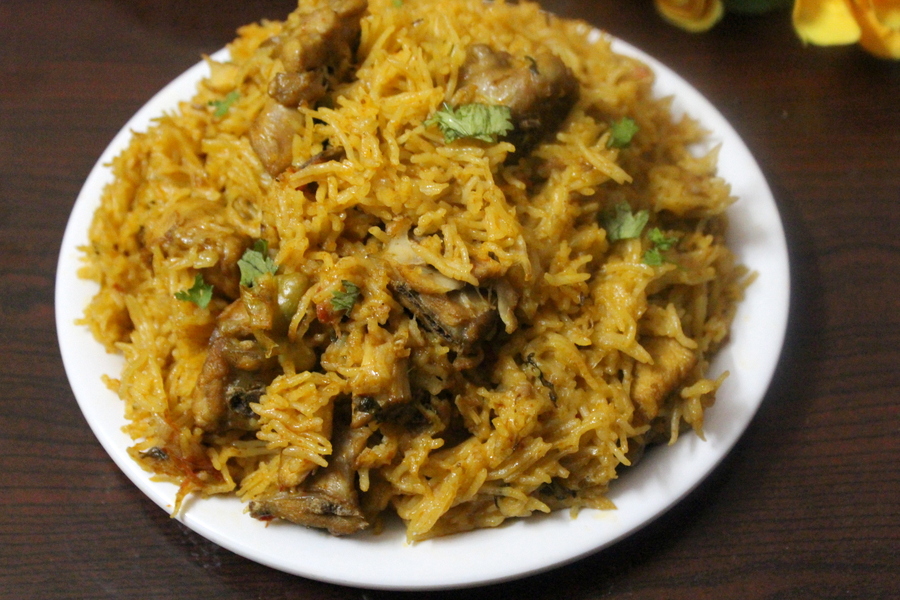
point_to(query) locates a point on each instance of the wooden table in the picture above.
(806, 506)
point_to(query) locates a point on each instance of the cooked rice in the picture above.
(547, 419)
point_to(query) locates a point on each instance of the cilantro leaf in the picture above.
(485, 122)
(200, 293)
(661, 240)
(660, 243)
(256, 262)
(223, 105)
(653, 257)
(345, 299)
(621, 132)
(622, 224)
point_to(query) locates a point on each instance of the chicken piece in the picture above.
(208, 403)
(236, 372)
(539, 91)
(328, 499)
(293, 89)
(409, 267)
(364, 409)
(460, 313)
(272, 136)
(399, 393)
(316, 47)
(321, 37)
(244, 388)
(653, 382)
(463, 317)
(194, 227)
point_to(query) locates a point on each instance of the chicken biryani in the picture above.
(445, 259)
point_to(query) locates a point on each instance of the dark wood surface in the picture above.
(806, 506)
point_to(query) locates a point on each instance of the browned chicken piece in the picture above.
(539, 90)
(272, 136)
(293, 89)
(208, 403)
(409, 267)
(328, 499)
(244, 388)
(463, 317)
(235, 372)
(321, 37)
(460, 313)
(316, 47)
(653, 382)
(365, 408)
(194, 228)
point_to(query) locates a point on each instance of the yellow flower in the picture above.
(875, 24)
(879, 21)
(692, 15)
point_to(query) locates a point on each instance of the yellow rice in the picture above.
(585, 303)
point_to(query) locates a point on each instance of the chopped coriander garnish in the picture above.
(397, 3)
(485, 122)
(345, 298)
(660, 243)
(256, 262)
(661, 240)
(621, 132)
(653, 257)
(200, 293)
(224, 104)
(622, 224)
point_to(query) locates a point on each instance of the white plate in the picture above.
(519, 547)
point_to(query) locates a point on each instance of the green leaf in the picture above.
(200, 293)
(622, 224)
(345, 299)
(661, 240)
(485, 122)
(653, 257)
(621, 132)
(256, 262)
(223, 105)
(660, 243)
